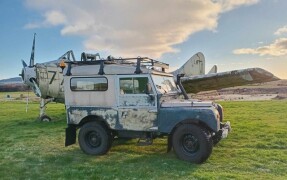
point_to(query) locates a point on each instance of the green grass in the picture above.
(255, 149)
(18, 96)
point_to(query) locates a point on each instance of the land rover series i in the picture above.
(136, 98)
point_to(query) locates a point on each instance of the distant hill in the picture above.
(13, 80)
(12, 84)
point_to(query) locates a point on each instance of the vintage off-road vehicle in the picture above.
(136, 98)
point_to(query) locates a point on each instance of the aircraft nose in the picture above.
(27, 74)
(29, 78)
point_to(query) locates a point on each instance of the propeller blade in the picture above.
(24, 63)
(23, 69)
(33, 52)
(36, 88)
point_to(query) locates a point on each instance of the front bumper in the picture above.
(225, 129)
(223, 132)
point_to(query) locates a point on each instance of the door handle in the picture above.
(153, 111)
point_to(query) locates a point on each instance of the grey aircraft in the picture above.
(46, 79)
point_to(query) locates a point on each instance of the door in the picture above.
(137, 104)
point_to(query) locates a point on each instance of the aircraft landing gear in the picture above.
(43, 117)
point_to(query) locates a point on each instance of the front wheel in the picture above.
(192, 143)
(94, 139)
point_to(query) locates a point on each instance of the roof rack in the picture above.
(89, 57)
(138, 62)
(68, 56)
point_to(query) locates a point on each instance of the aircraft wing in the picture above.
(215, 81)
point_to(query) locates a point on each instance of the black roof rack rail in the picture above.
(68, 56)
(138, 62)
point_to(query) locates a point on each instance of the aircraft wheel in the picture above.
(192, 143)
(45, 118)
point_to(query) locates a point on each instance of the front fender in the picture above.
(171, 116)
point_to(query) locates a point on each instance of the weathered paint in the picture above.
(50, 81)
(137, 112)
(123, 119)
(137, 119)
(109, 115)
(136, 100)
(91, 98)
(76, 115)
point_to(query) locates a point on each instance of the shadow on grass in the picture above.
(121, 164)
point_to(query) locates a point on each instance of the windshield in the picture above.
(164, 84)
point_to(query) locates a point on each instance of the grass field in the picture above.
(256, 148)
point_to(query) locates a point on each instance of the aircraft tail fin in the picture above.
(194, 66)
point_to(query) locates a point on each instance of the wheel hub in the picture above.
(93, 139)
(190, 143)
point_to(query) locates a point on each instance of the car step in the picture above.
(145, 141)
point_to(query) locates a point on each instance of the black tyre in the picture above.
(216, 138)
(192, 143)
(94, 139)
(45, 118)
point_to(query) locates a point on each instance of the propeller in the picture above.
(24, 63)
(28, 73)
(32, 53)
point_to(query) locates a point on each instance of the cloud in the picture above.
(132, 27)
(277, 48)
(227, 5)
(55, 18)
(52, 18)
(281, 31)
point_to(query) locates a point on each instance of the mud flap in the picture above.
(70, 135)
(169, 143)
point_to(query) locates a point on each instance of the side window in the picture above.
(136, 85)
(89, 84)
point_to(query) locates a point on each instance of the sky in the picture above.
(232, 34)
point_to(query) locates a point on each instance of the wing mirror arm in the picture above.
(148, 91)
(178, 82)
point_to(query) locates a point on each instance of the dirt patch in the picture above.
(265, 91)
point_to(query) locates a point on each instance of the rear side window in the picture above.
(89, 84)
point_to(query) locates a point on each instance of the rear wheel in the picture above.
(192, 143)
(94, 139)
